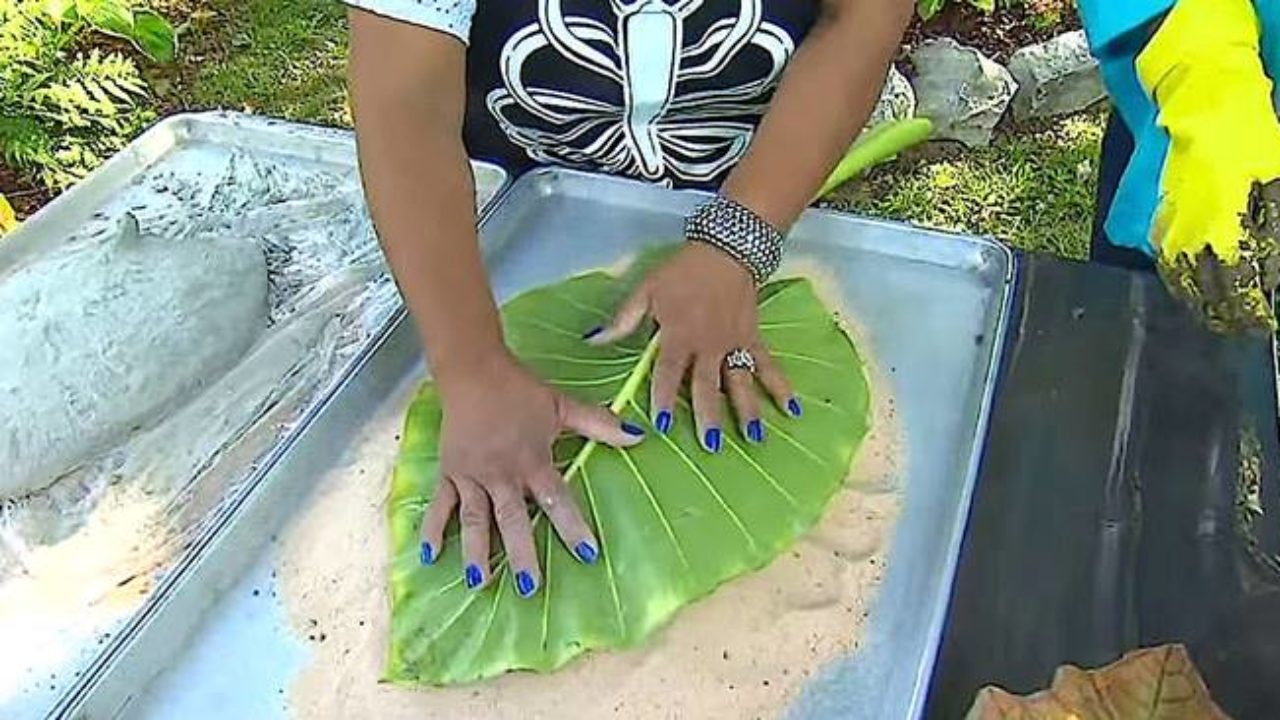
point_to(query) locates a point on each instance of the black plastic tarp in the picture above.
(1106, 516)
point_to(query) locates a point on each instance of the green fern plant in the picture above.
(62, 110)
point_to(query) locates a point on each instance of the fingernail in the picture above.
(593, 332)
(474, 576)
(712, 440)
(525, 584)
(632, 430)
(793, 407)
(663, 421)
(586, 552)
(428, 555)
(755, 431)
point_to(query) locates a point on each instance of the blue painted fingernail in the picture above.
(712, 440)
(632, 430)
(755, 431)
(428, 555)
(592, 332)
(474, 576)
(525, 584)
(663, 421)
(793, 407)
(586, 552)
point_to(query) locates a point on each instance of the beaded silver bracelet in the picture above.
(739, 233)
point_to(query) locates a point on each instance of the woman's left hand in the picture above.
(705, 305)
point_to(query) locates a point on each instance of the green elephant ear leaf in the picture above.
(673, 521)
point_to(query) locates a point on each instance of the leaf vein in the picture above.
(763, 473)
(628, 359)
(546, 594)
(815, 402)
(539, 324)
(806, 358)
(604, 552)
(488, 625)
(589, 382)
(789, 289)
(593, 312)
(796, 443)
(657, 509)
(733, 516)
(450, 622)
(784, 324)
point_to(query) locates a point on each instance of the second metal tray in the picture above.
(931, 308)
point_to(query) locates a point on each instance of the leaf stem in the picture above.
(638, 375)
(626, 394)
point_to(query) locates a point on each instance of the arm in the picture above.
(418, 182)
(408, 91)
(1201, 193)
(704, 301)
(840, 67)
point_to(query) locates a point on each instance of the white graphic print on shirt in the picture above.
(656, 133)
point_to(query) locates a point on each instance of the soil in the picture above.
(998, 34)
(22, 193)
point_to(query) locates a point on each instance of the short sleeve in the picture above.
(447, 16)
(1107, 20)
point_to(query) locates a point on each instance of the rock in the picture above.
(962, 91)
(897, 100)
(1057, 77)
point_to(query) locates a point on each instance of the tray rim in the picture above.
(550, 175)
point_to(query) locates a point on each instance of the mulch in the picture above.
(997, 34)
(25, 196)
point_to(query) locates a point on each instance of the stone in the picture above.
(897, 100)
(1056, 77)
(962, 91)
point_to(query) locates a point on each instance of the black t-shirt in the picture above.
(668, 91)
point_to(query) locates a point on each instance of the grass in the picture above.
(1033, 189)
(284, 58)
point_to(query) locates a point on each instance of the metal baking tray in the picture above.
(186, 133)
(176, 145)
(932, 308)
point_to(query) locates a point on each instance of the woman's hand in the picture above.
(705, 304)
(499, 424)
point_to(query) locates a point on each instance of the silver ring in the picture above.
(740, 359)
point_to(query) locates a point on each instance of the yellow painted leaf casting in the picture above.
(1153, 684)
(8, 219)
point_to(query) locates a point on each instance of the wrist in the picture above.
(739, 233)
(723, 265)
(460, 365)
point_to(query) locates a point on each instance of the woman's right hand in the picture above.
(495, 448)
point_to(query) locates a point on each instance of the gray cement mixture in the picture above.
(147, 362)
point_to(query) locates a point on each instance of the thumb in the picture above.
(598, 423)
(625, 321)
